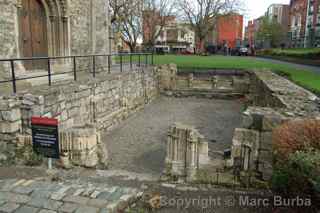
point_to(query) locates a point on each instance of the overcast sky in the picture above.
(257, 8)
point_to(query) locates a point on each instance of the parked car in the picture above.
(243, 51)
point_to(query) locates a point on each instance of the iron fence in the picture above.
(108, 63)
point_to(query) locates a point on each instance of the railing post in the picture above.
(152, 58)
(120, 62)
(146, 59)
(130, 61)
(74, 68)
(49, 72)
(139, 60)
(109, 64)
(13, 75)
(94, 66)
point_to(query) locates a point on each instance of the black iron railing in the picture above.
(95, 64)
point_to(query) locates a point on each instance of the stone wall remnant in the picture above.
(275, 100)
(96, 104)
(210, 84)
(186, 152)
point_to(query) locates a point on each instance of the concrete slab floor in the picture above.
(139, 143)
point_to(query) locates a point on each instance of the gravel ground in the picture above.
(139, 144)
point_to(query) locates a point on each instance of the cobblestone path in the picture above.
(40, 196)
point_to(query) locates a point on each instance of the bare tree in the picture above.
(202, 15)
(117, 8)
(156, 15)
(127, 20)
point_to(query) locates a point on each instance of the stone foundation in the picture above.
(207, 84)
(271, 99)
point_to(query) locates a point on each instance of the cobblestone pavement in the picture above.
(70, 196)
(139, 143)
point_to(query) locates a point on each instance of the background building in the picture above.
(230, 30)
(280, 13)
(176, 38)
(312, 35)
(298, 16)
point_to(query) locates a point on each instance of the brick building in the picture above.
(298, 16)
(312, 35)
(229, 30)
(33, 28)
(250, 33)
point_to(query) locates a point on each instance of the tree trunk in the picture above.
(200, 46)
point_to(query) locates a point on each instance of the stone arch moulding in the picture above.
(57, 26)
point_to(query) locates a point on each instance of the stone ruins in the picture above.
(85, 108)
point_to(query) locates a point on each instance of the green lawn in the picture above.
(305, 78)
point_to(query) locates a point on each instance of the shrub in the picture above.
(295, 136)
(299, 175)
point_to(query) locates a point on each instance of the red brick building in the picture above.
(298, 17)
(229, 30)
(250, 33)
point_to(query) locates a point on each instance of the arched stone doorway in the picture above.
(43, 30)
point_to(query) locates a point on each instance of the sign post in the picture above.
(45, 138)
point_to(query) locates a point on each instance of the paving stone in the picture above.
(68, 207)
(18, 198)
(88, 192)
(19, 182)
(28, 183)
(9, 207)
(115, 195)
(47, 211)
(27, 209)
(104, 210)
(61, 193)
(108, 193)
(45, 203)
(76, 199)
(78, 192)
(23, 190)
(39, 193)
(52, 204)
(97, 203)
(8, 185)
(87, 209)
(95, 194)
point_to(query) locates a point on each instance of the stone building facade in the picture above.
(34, 28)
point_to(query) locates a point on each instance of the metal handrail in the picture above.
(93, 57)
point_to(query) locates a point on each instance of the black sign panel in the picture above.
(45, 137)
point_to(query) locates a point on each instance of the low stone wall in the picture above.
(207, 84)
(274, 100)
(100, 102)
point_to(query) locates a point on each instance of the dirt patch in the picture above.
(139, 144)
